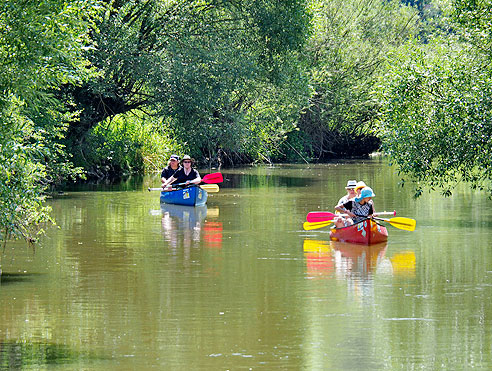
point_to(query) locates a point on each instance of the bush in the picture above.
(127, 144)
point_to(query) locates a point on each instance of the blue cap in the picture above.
(174, 157)
(366, 192)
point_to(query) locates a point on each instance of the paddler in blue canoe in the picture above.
(170, 169)
(185, 175)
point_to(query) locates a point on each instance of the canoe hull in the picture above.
(367, 232)
(190, 196)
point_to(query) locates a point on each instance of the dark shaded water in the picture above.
(125, 283)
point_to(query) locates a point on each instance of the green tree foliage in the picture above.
(436, 124)
(200, 64)
(350, 41)
(40, 45)
(129, 144)
(21, 175)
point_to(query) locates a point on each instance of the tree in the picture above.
(436, 122)
(40, 48)
(349, 44)
(198, 63)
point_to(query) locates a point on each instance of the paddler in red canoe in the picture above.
(357, 209)
(351, 193)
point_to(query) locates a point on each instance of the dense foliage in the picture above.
(40, 47)
(105, 88)
(203, 67)
(436, 123)
(349, 44)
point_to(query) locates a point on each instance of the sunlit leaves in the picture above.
(201, 65)
(437, 120)
(349, 43)
(21, 176)
(41, 47)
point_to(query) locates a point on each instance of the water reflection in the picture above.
(267, 178)
(358, 262)
(110, 283)
(403, 264)
(212, 234)
(318, 257)
(187, 225)
(346, 260)
(32, 355)
(11, 278)
(186, 217)
(353, 261)
(182, 223)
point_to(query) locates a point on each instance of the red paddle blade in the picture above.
(213, 178)
(319, 216)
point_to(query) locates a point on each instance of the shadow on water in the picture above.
(106, 185)
(256, 181)
(17, 355)
(12, 278)
(231, 180)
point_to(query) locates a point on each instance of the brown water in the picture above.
(126, 284)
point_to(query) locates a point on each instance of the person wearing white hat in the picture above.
(350, 192)
(357, 209)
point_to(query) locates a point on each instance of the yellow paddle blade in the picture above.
(316, 225)
(211, 188)
(399, 222)
(406, 224)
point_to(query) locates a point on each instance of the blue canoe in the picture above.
(190, 196)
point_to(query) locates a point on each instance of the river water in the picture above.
(125, 283)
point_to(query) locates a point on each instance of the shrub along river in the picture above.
(126, 283)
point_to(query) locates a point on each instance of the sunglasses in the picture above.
(186, 162)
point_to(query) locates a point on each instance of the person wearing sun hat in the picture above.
(357, 209)
(340, 220)
(358, 187)
(186, 174)
(171, 168)
(350, 192)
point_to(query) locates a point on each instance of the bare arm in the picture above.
(168, 182)
(197, 180)
(343, 210)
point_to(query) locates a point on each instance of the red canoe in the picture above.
(367, 232)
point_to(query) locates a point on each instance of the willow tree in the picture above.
(40, 48)
(200, 65)
(345, 53)
(437, 99)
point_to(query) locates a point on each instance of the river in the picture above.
(125, 283)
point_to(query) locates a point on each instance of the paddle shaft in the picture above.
(406, 224)
(308, 226)
(211, 178)
(320, 216)
(210, 188)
